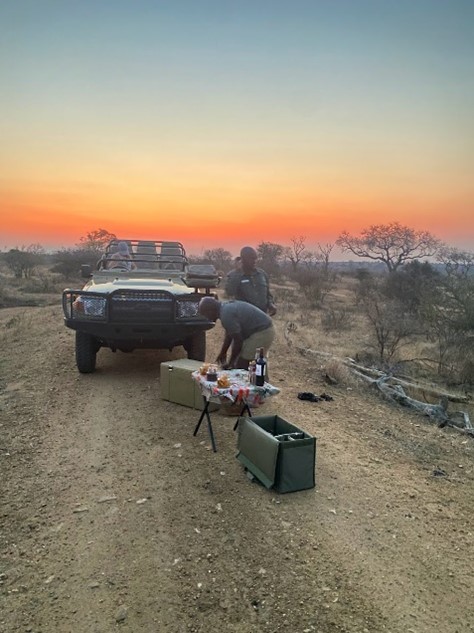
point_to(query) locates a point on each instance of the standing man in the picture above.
(246, 328)
(249, 283)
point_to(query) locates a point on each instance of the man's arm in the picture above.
(222, 358)
(271, 308)
(232, 284)
(237, 342)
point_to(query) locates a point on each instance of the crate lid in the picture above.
(182, 363)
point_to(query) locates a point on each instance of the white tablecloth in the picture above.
(239, 390)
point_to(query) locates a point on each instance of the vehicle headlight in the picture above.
(91, 306)
(81, 306)
(186, 309)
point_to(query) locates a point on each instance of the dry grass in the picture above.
(42, 288)
(341, 329)
(14, 324)
(338, 328)
(338, 371)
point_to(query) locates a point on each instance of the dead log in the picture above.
(392, 388)
(427, 390)
(397, 394)
(437, 412)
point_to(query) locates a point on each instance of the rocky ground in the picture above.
(114, 517)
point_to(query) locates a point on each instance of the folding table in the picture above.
(239, 391)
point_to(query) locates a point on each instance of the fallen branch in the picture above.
(396, 393)
(436, 412)
(392, 389)
(371, 371)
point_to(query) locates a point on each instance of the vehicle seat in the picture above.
(171, 257)
(145, 256)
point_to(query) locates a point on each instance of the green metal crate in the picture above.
(278, 453)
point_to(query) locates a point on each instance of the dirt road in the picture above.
(114, 517)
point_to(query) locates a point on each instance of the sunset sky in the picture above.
(224, 123)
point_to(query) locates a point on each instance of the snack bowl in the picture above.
(223, 381)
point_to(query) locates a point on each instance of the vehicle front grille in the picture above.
(143, 306)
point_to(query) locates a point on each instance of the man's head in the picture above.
(122, 248)
(248, 257)
(209, 308)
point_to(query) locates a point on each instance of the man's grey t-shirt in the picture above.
(239, 317)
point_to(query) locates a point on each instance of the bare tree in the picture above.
(393, 244)
(296, 252)
(389, 321)
(323, 254)
(457, 263)
(451, 317)
(458, 287)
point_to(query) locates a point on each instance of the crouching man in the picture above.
(246, 328)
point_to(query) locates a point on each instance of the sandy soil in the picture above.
(114, 517)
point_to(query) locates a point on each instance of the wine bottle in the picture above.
(260, 369)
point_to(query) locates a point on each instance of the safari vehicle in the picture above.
(154, 305)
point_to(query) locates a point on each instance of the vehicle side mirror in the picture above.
(86, 271)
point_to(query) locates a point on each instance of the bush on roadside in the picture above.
(67, 262)
(336, 320)
(339, 372)
(315, 284)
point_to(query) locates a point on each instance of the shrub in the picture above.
(334, 319)
(68, 262)
(315, 284)
(339, 372)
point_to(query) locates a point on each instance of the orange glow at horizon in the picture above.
(218, 205)
(60, 218)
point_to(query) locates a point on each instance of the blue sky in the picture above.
(337, 113)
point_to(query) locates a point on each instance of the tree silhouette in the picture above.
(96, 241)
(220, 257)
(393, 244)
(22, 261)
(270, 255)
(296, 252)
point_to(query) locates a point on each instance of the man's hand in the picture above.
(222, 360)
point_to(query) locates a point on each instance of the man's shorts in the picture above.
(264, 339)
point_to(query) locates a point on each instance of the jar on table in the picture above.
(211, 375)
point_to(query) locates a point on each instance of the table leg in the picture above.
(244, 409)
(205, 412)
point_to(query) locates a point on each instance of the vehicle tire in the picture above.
(86, 352)
(195, 346)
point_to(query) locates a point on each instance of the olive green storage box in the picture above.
(177, 383)
(277, 453)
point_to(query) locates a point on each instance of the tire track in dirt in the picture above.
(207, 550)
